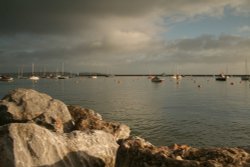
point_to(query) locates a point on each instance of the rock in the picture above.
(222, 156)
(27, 144)
(29, 126)
(178, 158)
(136, 152)
(27, 105)
(86, 119)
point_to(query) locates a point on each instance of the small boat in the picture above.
(245, 78)
(63, 77)
(177, 76)
(6, 78)
(20, 74)
(221, 77)
(156, 79)
(34, 78)
(93, 76)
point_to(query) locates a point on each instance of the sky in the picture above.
(125, 36)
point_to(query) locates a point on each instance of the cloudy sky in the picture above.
(125, 36)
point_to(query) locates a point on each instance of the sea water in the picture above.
(197, 111)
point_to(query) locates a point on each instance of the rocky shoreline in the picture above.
(39, 131)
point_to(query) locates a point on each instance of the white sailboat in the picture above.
(20, 74)
(33, 77)
(177, 76)
(246, 76)
(63, 76)
(94, 77)
(221, 77)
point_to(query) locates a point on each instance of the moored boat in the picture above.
(245, 78)
(156, 79)
(6, 78)
(221, 77)
(34, 78)
(177, 76)
(63, 77)
(93, 76)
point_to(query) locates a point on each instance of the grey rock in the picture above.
(27, 105)
(27, 144)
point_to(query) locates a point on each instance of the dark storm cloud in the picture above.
(63, 16)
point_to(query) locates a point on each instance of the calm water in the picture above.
(217, 114)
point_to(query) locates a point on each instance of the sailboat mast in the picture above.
(32, 68)
(226, 70)
(62, 68)
(22, 71)
(246, 67)
(18, 73)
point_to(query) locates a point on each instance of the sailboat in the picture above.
(6, 78)
(20, 74)
(221, 77)
(44, 73)
(177, 76)
(93, 76)
(33, 77)
(63, 76)
(156, 79)
(245, 77)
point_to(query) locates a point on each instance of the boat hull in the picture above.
(156, 80)
(34, 78)
(245, 78)
(221, 79)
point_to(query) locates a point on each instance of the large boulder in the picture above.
(37, 130)
(27, 105)
(136, 152)
(27, 144)
(86, 119)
